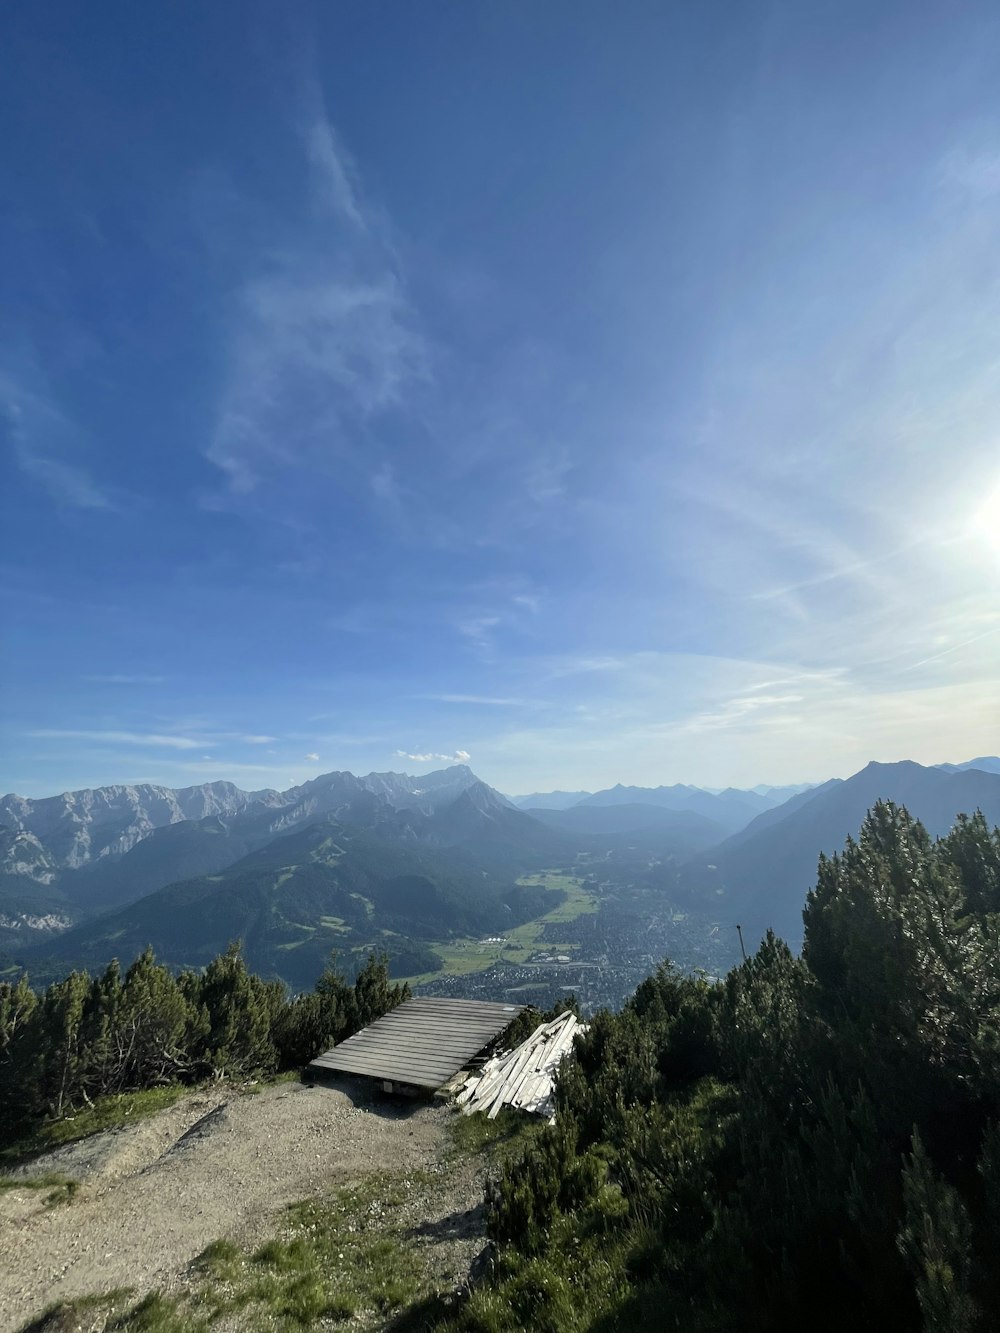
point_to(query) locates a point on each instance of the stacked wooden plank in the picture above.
(522, 1078)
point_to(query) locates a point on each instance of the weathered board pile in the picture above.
(523, 1078)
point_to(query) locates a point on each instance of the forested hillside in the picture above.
(813, 1143)
(329, 886)
(760, 875)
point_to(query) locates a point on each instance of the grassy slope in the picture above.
(345, 1257)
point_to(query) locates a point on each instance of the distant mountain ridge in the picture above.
(67, 856)
(760, 876)
(370, 874)
(73, 866)
(66, 832)
(38, 838)
(986, 763)
(734, 808)
(731, 808)
(549, 800)
(728, 809)
(652, 827)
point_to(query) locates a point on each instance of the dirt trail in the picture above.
(216, 1164)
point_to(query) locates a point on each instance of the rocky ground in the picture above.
(223, 1164)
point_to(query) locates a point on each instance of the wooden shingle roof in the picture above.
(422, 1042)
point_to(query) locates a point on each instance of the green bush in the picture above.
(811, 1143)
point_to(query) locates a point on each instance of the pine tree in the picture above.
(374, 994)
(936, 1241)
(98, 1032)
(152, 1026)
(975, 851)
(18, 1042)
(238, 1010)
(60, 1060)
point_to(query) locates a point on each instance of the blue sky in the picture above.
(602, 392)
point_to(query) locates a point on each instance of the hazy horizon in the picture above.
(602, 394)
(539, 789)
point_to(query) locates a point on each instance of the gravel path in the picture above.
(218, 1163)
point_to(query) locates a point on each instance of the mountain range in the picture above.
(75, 839)
(347, 862)
(340, 862)
(729, 809)
(762, 874)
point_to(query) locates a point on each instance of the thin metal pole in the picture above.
(739, 931)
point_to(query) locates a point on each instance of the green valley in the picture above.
(520, 944)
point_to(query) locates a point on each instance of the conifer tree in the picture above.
(18, 1040)
(152, 1027)
(60, 1059)
(100, 1073)
(239, 1010)
(374, 994)
(936, 1241)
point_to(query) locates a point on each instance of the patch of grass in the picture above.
(329, 852)
(219, 1260)
(334, 1258)
(62, 1188)
(572, 1290)
(156, 1313)
(31, 1182)
(63, 1193)
(287, 1076)
(336, 923)
(108, 1113)
(111, 1113)
(472, 1134)
(65, 1316)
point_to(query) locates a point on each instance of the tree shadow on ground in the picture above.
(455, 1226)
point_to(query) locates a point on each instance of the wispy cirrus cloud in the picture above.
(117, 678)
(42, 441)
(456, 757)
(478, 631)
(316, 354)
(159, 740)
(340, 737)
(485, 699)
(120, 738)
(322, 336)
(66, 483)
(334, 175)
(384, 484)
(971, 171)
(208, 768)
(545, 477)
(763, 709)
